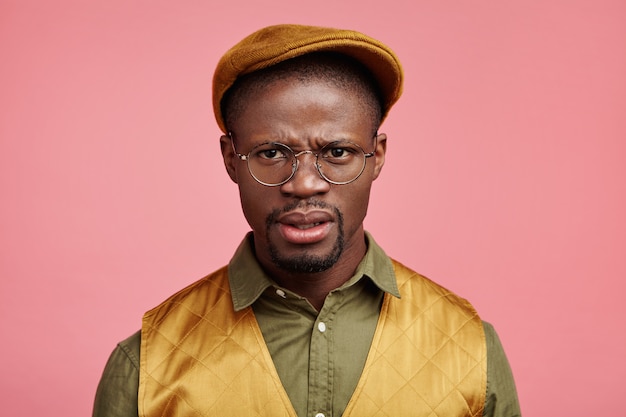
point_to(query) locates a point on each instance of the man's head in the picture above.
(311, 221)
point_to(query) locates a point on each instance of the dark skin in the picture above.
(305, 217)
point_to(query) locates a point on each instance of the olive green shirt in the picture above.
(319, 356)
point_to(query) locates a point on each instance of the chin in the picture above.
(307, 262)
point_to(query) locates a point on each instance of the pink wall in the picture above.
(505, 179)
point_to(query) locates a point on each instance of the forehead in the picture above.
(349, 77)
(314, 109)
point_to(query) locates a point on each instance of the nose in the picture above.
(306, 181)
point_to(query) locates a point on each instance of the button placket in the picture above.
(321, 365)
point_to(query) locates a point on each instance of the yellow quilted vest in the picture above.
(201, 358)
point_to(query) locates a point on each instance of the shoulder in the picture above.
(125, 357)
(425, 292)
(203, 293)
(130, 348)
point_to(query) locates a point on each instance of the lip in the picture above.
(305, 228)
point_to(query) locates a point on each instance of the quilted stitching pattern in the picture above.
(184, 342)
(426, 358)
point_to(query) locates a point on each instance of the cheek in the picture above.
(255, 204)
(355, 207)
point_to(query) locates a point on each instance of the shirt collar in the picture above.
(248, 280)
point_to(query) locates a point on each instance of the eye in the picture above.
(271, 152)
(339, 153)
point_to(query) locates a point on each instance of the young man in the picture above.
(310, 317)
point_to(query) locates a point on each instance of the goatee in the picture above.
(306, 262)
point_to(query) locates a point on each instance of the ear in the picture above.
(230, 159)
(379, 153)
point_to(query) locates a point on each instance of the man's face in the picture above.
(307, 224)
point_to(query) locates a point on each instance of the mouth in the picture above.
(305, 228)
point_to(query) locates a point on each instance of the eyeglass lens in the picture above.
(338, 162)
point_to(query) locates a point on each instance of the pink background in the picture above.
(505, 179)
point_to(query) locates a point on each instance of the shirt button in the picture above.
(321, 326)
(281, 293)
(320, 415)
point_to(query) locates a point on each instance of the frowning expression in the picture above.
(306, 224)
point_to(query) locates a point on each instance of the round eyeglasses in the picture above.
(273, 164)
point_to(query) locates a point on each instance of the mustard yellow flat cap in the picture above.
(274, 44)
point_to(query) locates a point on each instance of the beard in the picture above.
(306, 262)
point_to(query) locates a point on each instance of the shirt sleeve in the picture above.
(116, 395)
(501, 398)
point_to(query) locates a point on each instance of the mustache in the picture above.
(273, 216)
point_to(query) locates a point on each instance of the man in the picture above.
(310, 317)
